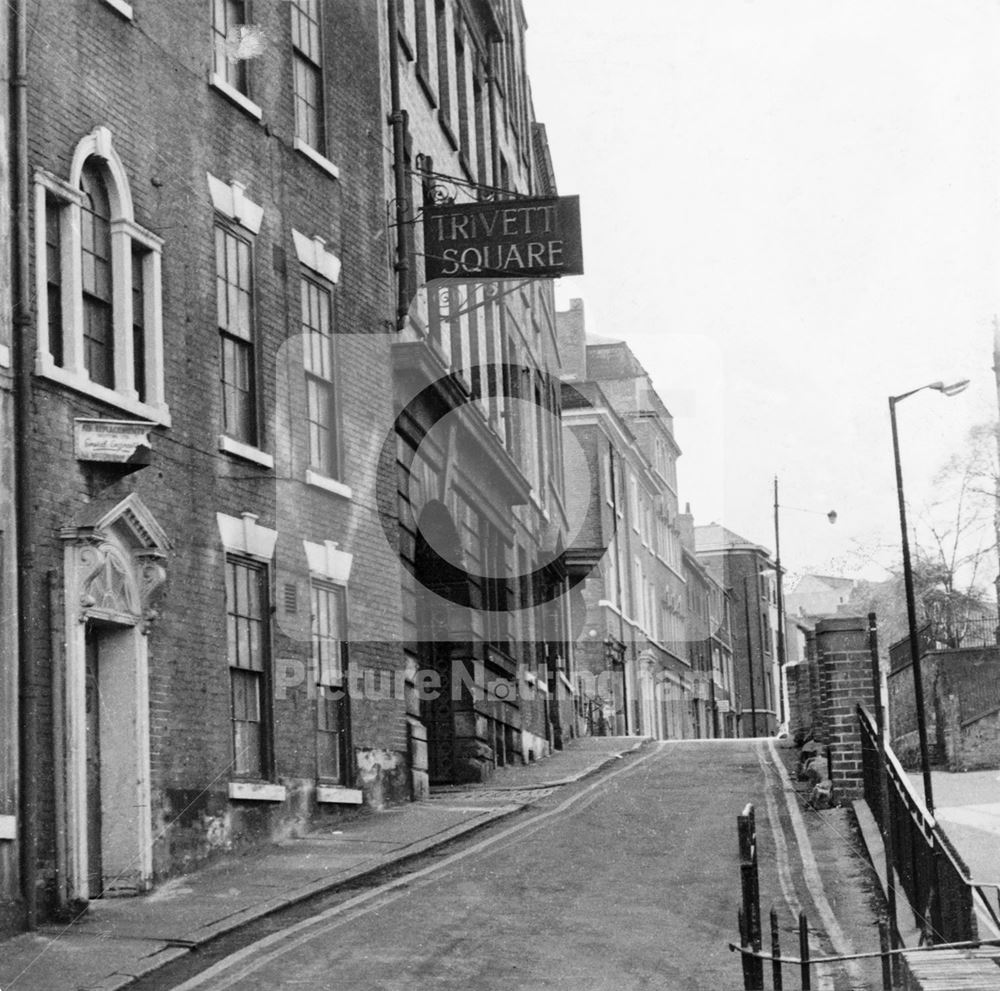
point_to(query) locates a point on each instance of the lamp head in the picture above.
(952, 389)
(832, 516)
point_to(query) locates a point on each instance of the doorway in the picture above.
(113, 556)
(115, 813)
(443, 598)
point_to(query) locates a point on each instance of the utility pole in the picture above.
(996, 499)
(781, 610)
(746, 616)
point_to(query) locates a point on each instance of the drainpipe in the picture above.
(492, 94)
(618, 590)
(27, 689)
(397, 118)
(58, 675)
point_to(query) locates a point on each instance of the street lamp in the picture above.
(832, 517)
(911, 607)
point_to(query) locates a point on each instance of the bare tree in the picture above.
(954, 550)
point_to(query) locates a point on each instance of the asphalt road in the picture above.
(629, 880)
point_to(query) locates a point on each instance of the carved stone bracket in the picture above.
(152, 576)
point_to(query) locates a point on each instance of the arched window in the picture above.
(95, 250)
(98, 282)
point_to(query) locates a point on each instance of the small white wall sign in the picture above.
(110, 440)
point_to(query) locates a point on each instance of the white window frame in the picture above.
(329, 565)
(242, 537)
(125, 233)
(313, 254)
(229, 200)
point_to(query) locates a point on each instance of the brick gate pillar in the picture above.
(845, 679)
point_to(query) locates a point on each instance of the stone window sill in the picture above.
(256, 791)
(331, 485)
(245, 451)
(338, 795)
(80, 383)
(123, 8)
(316, 158)
(235, 96)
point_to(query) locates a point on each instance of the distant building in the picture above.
(747, 571)
(632, 648)
(709, 642)
(818, 595)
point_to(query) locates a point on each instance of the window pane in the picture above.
(53, 277)
(246, 652)
(318, 362)
(139, 321)
(95, 242)
(255, 658)
(98, 342)
(307, 80)
(328, 631)
(329, 752)
(227, 17)
(234, 299)
(332, 713)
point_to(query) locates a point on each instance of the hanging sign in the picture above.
(509, 239)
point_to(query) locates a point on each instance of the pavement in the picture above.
(967, 805)
(120, 940)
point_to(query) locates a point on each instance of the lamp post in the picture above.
(911, 606)
(832, 517)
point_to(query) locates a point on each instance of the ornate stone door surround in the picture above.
(113, 559)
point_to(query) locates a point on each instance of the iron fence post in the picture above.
(804, 952)
(753, 966)
(883, 778)
(884, 946)
(775, 951)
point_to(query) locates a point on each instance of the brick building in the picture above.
(274, 478)
(213, 647)
(747, 571)
(708, 632)
(482, 514)
(633, 645)
(9, 681)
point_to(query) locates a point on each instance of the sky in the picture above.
(790, 211)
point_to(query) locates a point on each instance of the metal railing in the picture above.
(942, 632)
(752, 955)
(932, 874)
(954, 631)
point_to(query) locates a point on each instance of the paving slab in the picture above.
(75, 961)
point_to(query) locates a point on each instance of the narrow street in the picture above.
(626, 880)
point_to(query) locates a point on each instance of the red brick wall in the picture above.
(146, 81)
(845, 677)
